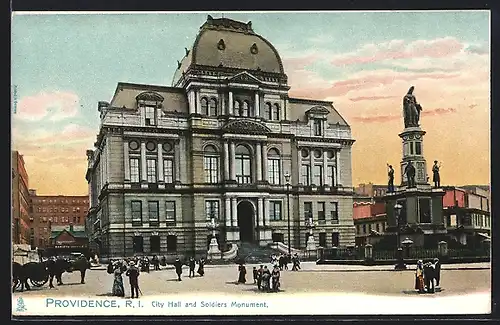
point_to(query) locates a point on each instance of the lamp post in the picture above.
(287, 179)
(213, 248)
(400, 264)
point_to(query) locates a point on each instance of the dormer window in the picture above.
(318, 127)
(150, 115)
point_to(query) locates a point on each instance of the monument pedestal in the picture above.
(213, 249)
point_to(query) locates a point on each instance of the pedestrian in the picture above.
(287, 260)
(419, 277)
(156, 263)
(260, 273)
(118, 290)
(266, 279)
(255, 275)
(201, 267)
(133, 275)
(192, 265)
(429, 277)
(281, 262)
(242, 271)
(275, 276)
(437, 272)
(163, 261)
(178, 268)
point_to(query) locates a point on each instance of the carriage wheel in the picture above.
(37, 283)
(16, 284)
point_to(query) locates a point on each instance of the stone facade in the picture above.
(218, 145)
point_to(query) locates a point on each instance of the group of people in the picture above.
(117, 268)
(267, 281)
(192, 266)
(427, 276)
(283, 260)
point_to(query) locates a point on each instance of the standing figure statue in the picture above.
(390, 174)
(435, 174)
(410, 174)
(411, 109)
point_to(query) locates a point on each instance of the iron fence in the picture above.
(342, 253)
(468, 253)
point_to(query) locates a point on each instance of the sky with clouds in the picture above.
(364, 62)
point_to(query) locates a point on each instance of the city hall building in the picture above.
(219, 144)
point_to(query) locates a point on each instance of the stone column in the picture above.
(197, 101)
(192, 104)
(230, 104)
(227, 207)
(161, 177)
(266, 212)
(126, 161)
(143, 162)
(258, 158)
(337, 168)
(257, 104)
(311, 169)
(260, 207)
(177, 161)
(234, 208)
(233, 162)
(226, 160)
(325, 165)
(264, 162)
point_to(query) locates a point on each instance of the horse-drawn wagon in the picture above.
(28, 265)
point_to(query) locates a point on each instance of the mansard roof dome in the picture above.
(229, 43)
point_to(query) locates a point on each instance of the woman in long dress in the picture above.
(419, 277)
(118, 289)
(242, 274)
(201, 267)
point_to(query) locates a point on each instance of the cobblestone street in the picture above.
(378, 280)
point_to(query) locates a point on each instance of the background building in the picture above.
(52, 211)
(466, 217)
(218, 144)
(68, 239)
(22, 229)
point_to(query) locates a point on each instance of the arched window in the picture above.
(243, 165)
(211, 164)
(276, 112)
(274, 167)
(268, 111)
(213, 107)
(245, 109)
(237, 107)
(204, 105)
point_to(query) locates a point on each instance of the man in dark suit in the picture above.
(437, 271)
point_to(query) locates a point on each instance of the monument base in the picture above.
(213, 249)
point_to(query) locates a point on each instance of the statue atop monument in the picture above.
(411, 109)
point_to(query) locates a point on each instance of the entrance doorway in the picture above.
(246, 217)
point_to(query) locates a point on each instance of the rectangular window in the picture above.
(357, 229)
(275, 210)
(150, 115)
(170, 211)
(276, 112)
(273, 171)
(370, 228)
(168, 170)
(330, 175)
(151, 170)
(136, 213)
(138, 244)
(364, 229)
(211, 169)
(383, 226)
(322, 239)
(305, 175)
(243, 172)
(318, 130)
(134, 170)
(212, 209)
(154, 216)
(377, 227)
(335, 239)
(334, 211)
(321, 212)
(154, 244)
(411, 148)
(308, 213)
(318, 175)
(171, 243)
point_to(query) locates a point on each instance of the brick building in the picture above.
(218, 144)
(53, 211)
(22, 232)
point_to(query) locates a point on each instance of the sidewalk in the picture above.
(312, 267)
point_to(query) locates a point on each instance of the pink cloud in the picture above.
(54, 105)
(394, 50)
(362, 98)
(386, 118)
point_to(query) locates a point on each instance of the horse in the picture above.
(57, 267)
